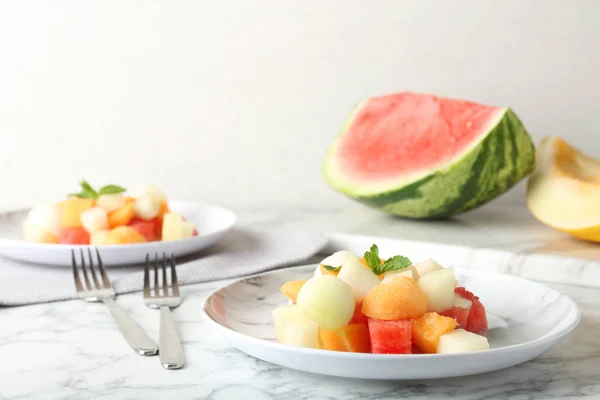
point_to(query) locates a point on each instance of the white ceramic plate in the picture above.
(212, 222)
(525, 319)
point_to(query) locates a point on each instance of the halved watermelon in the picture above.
(390, 337)
(422, 156)
(477, 320)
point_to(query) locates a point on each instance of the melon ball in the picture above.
(327, 300)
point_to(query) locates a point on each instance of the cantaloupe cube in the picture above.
(125, 235)
(122, 216)
(71, 210)
(461, 341)
(426, 331)
(352, 338)
(292, 288)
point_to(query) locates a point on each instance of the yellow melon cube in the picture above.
(71, 210)
(124, 235)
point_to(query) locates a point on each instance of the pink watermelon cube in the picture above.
(477, 319)
(390, 337)
(460, 314)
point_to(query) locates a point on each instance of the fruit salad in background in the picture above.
(107, 216)
(374, 305)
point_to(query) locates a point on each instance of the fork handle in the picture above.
(137, 338)
(171, 353)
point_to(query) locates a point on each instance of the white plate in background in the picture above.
(212, 223)
(525, 319)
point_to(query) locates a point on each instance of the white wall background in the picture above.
(236, 101)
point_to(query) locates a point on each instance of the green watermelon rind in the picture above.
(499, 160)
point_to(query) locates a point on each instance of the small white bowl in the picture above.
(212, 223)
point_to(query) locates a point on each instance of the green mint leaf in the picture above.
(85, 194)
(392, 264)
(372, 257)
(332, 269)
(111, 189)
(87, 187)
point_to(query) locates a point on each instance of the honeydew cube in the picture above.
(360, 278)
(410, 272)
(428, 266)
(94, 220)
(327, 300)
(37, 234)
(146, 207)
(339, 258)
(172, 228)
(279, 316)
(461, 302)
(46, 216)
(188, 229)
(294, 328)
(111, 202)
(439, 289)
(461, 341)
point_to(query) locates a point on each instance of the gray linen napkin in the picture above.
(242, 252)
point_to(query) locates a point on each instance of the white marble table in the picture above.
(72, 349)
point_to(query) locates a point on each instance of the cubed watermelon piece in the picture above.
(460, 314)
(359, 317)
(390, 337)
(146, 228)
(477, 320)
(73, 236)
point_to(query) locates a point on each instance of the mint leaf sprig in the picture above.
(332, 269)
(88, 192)
(391, 264)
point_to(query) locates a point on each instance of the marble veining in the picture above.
(72, 350)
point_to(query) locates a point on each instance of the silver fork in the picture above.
(104, 292)
(164, 297)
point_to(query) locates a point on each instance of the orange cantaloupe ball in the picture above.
(401, 298)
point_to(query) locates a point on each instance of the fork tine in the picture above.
(156, 285)
(147, 276)
(174, 283)
(164, 275)
(78, 285)
(85, 273)
(102, 270)
(93, 270)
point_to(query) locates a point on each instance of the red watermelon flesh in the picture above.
(359, 317)
(390, 337)
(460, 314)
(403, 133)
(477, 320)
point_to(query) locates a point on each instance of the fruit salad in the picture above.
(107, 216)
(374, 305)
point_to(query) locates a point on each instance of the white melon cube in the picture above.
(188, 229)
(461, 341)
(99, 238)
(360, 278)
(439, 289)
(146, 207)
(428, 266)
(172, 228)
(150, 190)
(46, 216)
(410, 272)
(327, 300)
(280, 314)
(95, 219)
(37, 234)
(111, 202)
(461, 302)
(300, 331)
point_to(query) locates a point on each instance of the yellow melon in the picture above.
(564, 189)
